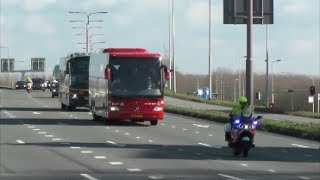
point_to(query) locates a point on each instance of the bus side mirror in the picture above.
(107, 73)
(167, 74)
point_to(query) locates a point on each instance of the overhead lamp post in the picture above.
(239, 78)
(272, 85)
(87, 22)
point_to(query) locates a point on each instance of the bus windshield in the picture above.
(135, 77)
(79, 72)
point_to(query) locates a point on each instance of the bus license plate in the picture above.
(136, 116)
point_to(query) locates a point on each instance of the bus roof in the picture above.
(130, 52)
(125, 50)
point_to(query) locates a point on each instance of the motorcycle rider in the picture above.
(29, 82)
(241, 108)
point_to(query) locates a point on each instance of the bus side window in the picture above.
(67, 68)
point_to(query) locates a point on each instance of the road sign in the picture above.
(311, 99)
(235, 12)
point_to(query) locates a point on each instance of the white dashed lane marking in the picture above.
(301, 146)
(100, 157)
(42, 132)
(37, 113)
(48, 135)
(36, 129)
(56, 139)
(134, 170)
(243, 164)
(230, 177)
(203, 144)
(89, 177)
(86, 152)
(202, 126)
(271, 170)
(303, 177)
(31, 127)
(20, 141)
(115, 163)
(155, 177)
(75, 147)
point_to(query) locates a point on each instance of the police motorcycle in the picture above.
(242, 133)
(54, 88)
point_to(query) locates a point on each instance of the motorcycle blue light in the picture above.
(255, 122)
(237, 121)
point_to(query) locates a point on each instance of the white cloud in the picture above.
(122, 19)
(38, 25)
(32, 5)
(302, 47)
(107, 2)
(295, 7)
(2, 20)
(9, 2)
(198, 13)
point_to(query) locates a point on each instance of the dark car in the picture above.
(21, 85)
(38, 84)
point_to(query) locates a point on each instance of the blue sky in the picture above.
(41, 28)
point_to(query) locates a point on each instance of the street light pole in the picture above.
(240, 75)
(170, 63)
(87, 23)
(272, 85)
(173, 54)
(210, 52)
(267, 66)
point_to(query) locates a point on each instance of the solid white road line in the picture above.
(115, 163)
(100, 157)
(301, 146)
(134, 170)
(20, 141)
(88, 177)
(203, 144)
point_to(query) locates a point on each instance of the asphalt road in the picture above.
(39, 141)
(197, 105)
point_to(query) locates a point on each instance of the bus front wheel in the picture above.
(154, 122)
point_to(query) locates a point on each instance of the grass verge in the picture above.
(301, 130)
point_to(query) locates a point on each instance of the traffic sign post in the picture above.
(311, 101)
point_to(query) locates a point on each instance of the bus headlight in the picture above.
(158, 109)
(73, 96)
(114, 108)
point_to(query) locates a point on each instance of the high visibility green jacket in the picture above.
(28, 80)
(238, 110)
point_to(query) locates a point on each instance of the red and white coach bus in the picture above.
(127, 84)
